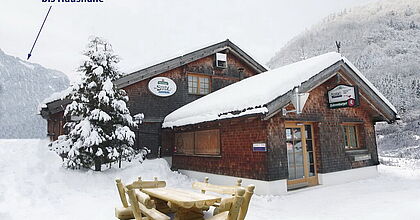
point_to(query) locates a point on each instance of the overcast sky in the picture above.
(142, 32)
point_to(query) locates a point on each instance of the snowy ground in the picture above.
(34, 186)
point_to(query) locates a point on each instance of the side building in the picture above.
(159, 89)
(304, 124)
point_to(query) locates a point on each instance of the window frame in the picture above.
(198, 76)
(195, 143)
(346, 137)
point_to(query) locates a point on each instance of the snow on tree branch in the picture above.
(103, 135)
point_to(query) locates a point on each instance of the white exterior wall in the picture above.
(277, 187)
(346, 176)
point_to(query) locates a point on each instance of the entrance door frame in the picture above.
(307, 180)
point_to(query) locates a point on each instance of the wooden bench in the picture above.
(143, 206)
(227, 203)
(126, 212)
(141, 184)
(160, 204)
(233, 212)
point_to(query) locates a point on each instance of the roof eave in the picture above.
(170, 126)
(277, 104)
(389, 115)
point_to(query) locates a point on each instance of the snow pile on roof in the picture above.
(55, 96)
(250, 95)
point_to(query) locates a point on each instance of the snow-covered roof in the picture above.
(251, 95)
(54, 97)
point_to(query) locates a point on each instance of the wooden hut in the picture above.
(304, 124)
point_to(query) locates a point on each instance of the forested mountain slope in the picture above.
(23, 86)
(383, 40)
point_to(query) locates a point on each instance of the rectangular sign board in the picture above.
(362, 157)
(343, 96)
(259, 147)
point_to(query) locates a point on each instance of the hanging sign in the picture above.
(259, 147)
(162, 86)
(343, 96)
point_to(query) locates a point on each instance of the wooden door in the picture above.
(300, 155)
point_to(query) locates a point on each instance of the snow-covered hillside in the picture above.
(34, 186)
(383, 40)
(23, 86)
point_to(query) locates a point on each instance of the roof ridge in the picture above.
(184, 58)
(172, 57)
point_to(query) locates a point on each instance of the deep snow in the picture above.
(34, 186)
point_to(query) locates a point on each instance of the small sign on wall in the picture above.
(259, 147)
(343, 96)
(362, 157)
(162, 86)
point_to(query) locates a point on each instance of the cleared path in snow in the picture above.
(34, 186)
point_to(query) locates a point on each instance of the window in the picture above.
(310, 149)
(351, 137)
(206, 142)
(198, 84)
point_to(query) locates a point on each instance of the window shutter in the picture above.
(207, 142)
(184, 142)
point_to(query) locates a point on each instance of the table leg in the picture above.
(162, 206)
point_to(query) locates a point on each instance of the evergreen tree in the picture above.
(103, 134)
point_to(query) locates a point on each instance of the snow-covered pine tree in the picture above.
(103, 134)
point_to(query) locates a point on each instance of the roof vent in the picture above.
(221, 60)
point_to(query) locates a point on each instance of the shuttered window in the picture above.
(206, 142)
(184, 143)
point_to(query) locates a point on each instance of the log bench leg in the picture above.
(187, 214)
